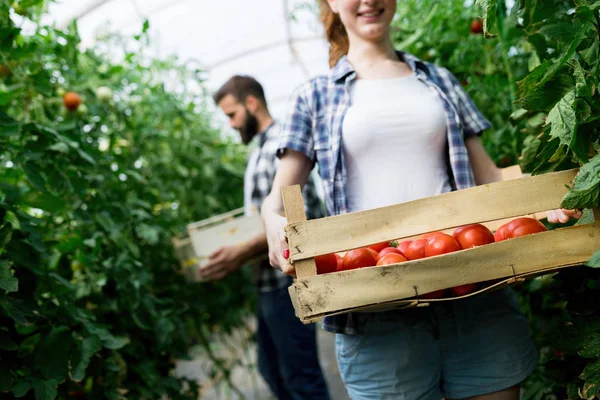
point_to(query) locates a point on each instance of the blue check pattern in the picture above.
(314, 128)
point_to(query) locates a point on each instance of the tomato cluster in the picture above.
(428, 245)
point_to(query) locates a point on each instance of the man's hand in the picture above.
(563, 216)
(223, 262)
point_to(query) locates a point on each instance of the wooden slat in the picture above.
(479, 204)
(294, 212)
(512, 172)
(331, 293)
(216, 219)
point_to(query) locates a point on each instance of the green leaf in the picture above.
(6, 378)
(565, 32)
(34, 175)
(537, 96)
(591, 346)
(594, 262)
(45, 390)
(86, 348)
(60, 147)
(8, 126)
(586, 218)
(52, 354)
(590, 55)
(585, 192)
(563, 119)
(16, 314)
(44, 201)
(7, 281)
(145, 26)
(581, 86)
(592, 370)
(490, 24)
(115, 342)
(6, 343)
(108, 340)
(21, 388)
(531, 146)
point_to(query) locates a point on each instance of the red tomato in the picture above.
(500, 233)
(388, 250)
(379, 246)
(71, 101)
(359, 258)
(523, 226)
(416, 249)
(463, 289)
(476, 26)
(326, 263)
(438, 294)
(374, 253)
(403, 246)
(391, 258)
(431, 234)
(473, 236)
(441, 244)
(340, 262)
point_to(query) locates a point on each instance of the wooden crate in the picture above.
(399, 285)
(188, 261)
(206, 236)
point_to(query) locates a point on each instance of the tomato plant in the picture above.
(91, 297)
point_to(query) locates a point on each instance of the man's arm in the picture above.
(229, 259)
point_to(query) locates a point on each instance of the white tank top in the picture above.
(394, 143)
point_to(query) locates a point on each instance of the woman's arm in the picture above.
(484, 169)
(294, 169)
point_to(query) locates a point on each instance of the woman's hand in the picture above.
(562, 216)
(278, 247)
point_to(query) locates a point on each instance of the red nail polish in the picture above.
(286, 254)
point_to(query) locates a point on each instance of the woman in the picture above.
(385, 116)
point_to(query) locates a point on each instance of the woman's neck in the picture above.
(376, 60)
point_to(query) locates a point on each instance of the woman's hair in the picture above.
(335, 33)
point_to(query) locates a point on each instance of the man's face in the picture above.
(240, 118)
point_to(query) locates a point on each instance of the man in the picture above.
(287, 352)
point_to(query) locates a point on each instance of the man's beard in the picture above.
(250, 128)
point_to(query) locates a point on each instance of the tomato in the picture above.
(359, 258)
(438, 294)
(523, 226)
(326, 263)
(379, 246)
(5, 72)
(441, 244)
(104, 94)
(500, 233)
(72, 101)
(416, 249)
(431, 234)
(374, 253)
(473, 235)
(388, 250)
(340, 262)
(391, 258)
(463, 289)
(476, 26)
(403, 246)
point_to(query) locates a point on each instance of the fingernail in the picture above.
(286, 254)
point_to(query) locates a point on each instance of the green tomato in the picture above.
(104, 94)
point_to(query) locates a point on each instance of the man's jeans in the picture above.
(287, 350)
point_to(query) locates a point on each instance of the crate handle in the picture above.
(293, 204)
